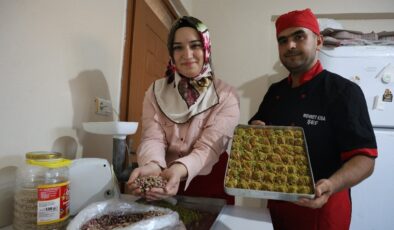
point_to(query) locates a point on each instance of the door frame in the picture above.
(175, 8)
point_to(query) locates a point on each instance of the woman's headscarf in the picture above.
(179, 97)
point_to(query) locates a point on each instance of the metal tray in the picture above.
(261, 193)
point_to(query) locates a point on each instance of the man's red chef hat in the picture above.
(298, 18)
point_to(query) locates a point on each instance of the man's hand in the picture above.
(323, 190)
(257, 122)
(351, 173)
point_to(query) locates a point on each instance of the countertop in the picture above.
(238, 217)
(235, 217)
(230, 217)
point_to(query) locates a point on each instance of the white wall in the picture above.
(188, 5)
(244, 48)
(56, 56)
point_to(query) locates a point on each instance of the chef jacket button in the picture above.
(181, 139)
(277, 97)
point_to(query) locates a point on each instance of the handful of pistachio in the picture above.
(149, 182)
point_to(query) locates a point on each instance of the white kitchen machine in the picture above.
(95, 179)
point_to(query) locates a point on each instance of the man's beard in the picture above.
(299, 65)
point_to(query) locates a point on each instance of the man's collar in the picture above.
(308, 75)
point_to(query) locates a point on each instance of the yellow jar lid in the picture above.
(47, 159)
(43, 155)
(58, 163)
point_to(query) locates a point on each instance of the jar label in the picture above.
(53, 203)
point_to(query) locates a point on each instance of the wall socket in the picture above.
(103, 106)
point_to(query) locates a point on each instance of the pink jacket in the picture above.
(198, 143)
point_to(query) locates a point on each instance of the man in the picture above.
(333, 113)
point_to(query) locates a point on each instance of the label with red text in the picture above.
(53, 203)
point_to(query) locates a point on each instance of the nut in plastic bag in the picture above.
(167, 219)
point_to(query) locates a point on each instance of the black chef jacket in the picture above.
(333, 113)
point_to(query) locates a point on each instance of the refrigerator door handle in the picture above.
(382, 70)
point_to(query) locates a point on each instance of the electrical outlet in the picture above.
(103, 106)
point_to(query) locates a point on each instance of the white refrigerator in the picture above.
(372, 68)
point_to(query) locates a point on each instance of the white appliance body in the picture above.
(372, 68)
(91, 180)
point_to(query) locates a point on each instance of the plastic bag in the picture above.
(170, 220)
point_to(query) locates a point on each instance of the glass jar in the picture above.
(42, 196)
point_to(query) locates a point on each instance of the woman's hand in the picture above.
(257, 122)
(173, 175)
(150, 169)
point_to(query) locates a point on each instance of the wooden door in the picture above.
(148, 60)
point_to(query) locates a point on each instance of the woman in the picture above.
(188, 119)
